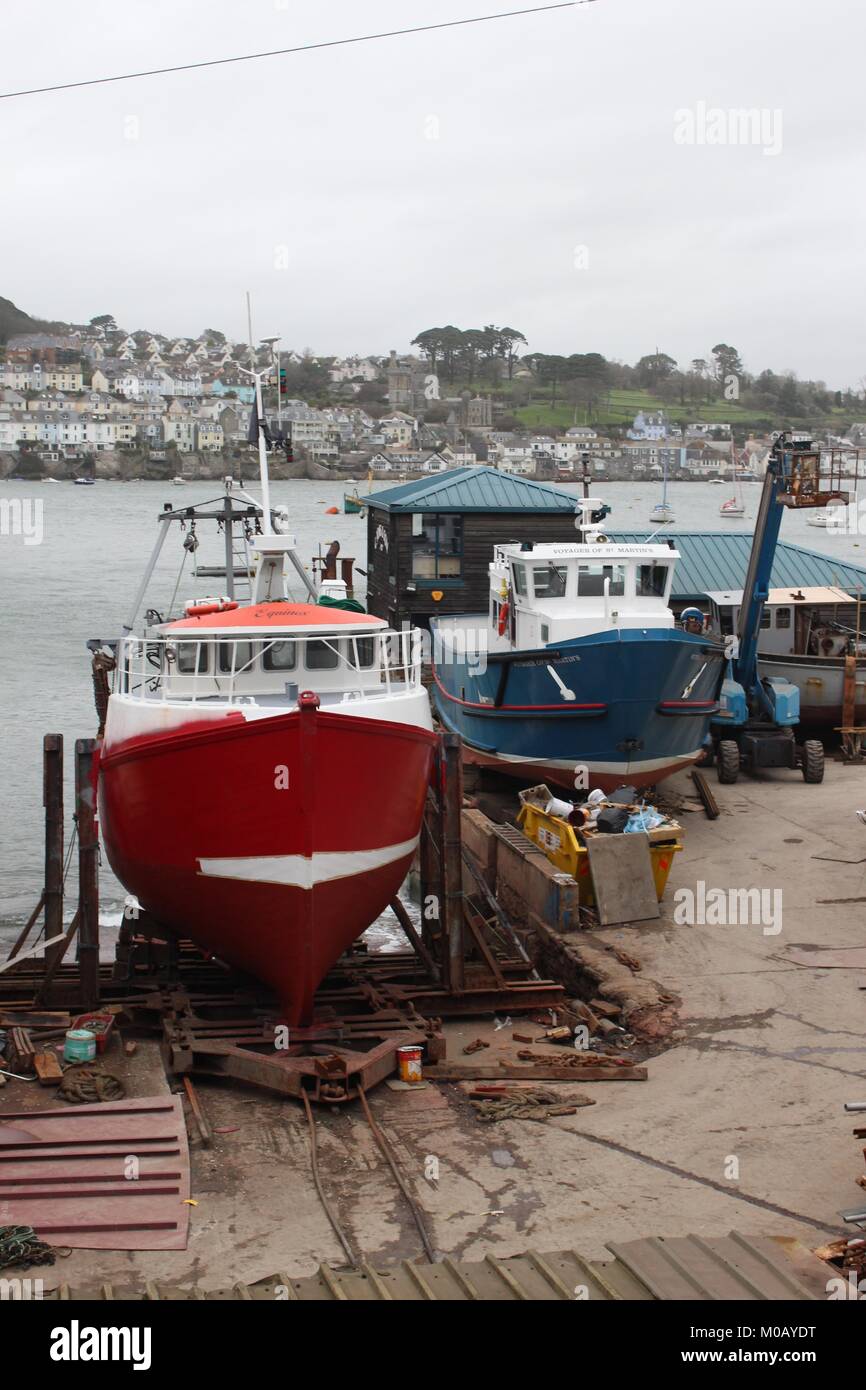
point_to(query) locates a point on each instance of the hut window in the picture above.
(783, 617)
(321, 656)
(280, 656)
(437, 546)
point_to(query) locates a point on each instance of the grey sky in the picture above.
(555, 132)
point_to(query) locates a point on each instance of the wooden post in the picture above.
(452, 795)
(88, 873)
(432, 930)
(52, 800)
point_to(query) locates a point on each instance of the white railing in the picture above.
(232, 670)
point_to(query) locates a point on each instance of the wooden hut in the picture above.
(429, 542)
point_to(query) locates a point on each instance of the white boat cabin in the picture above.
(268, 653)
(818, 621)
(544, 594)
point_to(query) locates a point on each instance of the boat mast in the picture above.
(260, 417)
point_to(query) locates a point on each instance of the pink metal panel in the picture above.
(98, 1177)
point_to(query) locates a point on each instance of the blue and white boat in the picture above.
(579, 674)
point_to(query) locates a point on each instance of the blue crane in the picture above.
(755, 724)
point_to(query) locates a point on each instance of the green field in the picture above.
(618, 409)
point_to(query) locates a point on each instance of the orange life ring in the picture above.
(503, 617)
(200, 610)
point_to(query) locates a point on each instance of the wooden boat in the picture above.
(807, 637)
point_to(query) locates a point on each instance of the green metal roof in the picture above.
(718, 560)
(473, 489)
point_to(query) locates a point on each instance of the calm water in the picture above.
(79, 583)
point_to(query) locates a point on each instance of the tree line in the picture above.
(586, 378)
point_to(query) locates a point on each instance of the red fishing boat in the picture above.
(263, 770)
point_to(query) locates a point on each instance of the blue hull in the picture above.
(643, 700)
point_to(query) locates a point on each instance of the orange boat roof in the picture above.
(277, 615)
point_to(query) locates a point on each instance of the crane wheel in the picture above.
(813, 761)
(728, 759)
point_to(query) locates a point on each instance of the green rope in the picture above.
(20, 1245)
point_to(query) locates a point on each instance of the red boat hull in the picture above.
(273, 843)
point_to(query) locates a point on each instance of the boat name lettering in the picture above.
(545, 661)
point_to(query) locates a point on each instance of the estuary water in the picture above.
(79, 580)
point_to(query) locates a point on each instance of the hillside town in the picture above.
(101, 402)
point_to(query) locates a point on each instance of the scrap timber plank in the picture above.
(534, 1073)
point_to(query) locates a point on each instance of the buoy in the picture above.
(332, 511)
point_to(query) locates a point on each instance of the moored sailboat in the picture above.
(662, 513)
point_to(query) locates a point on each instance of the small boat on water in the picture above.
(832, 517)
(662, 513)
(808, 637)
(84, 482)
(734, 506)
(264, 763)
(578, 668)
(178, 481)
(353, 504)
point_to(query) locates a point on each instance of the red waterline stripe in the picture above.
(477, 704)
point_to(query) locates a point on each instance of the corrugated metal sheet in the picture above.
(110, 1176)
(737, 1267)
(473, 489)
(719, 559)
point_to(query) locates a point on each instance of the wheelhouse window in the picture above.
(437, 547)
(192, 657)
(521, 587)
(766, 618)
(590, 580)
(783, 617)
(280, 656)
(366, 649)
(321, 656)
(235, 657)
(548, 581)
(651, 581)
